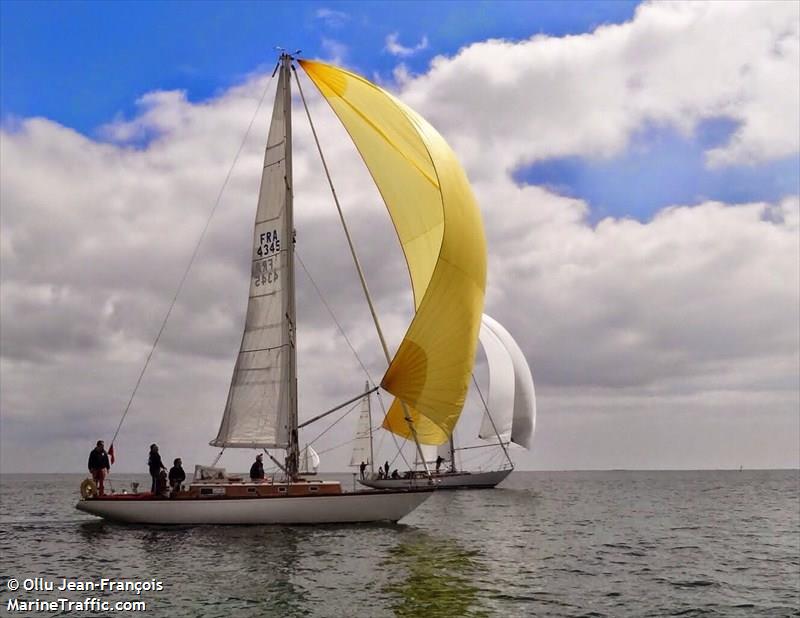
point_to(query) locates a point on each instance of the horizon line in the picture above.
(794, 469)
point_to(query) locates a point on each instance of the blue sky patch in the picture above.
(661, 168)
(84, 63)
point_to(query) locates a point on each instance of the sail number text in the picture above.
(264, 271)
(269, 243)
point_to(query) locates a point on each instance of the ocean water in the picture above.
(694, 543)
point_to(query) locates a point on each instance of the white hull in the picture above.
(445, 480)
(331, 509)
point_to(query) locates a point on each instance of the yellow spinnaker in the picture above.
(441, 233)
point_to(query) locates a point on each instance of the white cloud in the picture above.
(394, 47)
(335, 51)
(332, 18)
(673, 64)
(667, 343)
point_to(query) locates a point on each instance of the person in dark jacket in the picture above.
(363, 468)
(386, 469)
(156, 465)
(99, 466)
(176, 475)
(257, 469)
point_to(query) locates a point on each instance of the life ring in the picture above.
(88, 489)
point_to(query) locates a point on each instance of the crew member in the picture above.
(155, 465)
(257, 469)
(99, 466)
(176, 475)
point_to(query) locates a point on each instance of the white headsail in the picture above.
(512, 399)
(258, 408)
(309, 461)
(500, 398)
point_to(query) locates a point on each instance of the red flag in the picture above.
(111, 454)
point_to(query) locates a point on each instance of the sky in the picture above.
(637, 168)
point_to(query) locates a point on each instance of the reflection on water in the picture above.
(265, 559)
(432, 577)
(253, 567)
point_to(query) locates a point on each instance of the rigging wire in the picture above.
(489, 415)
(394, 437)
(329, 427)
(192, 259)
(383, 411)
(341, 444)
(363, 367)
(350, 441)
(333, 317)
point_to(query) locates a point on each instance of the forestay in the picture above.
(441, 234)
(258, 406)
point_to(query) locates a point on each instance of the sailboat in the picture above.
(509, 417)
(441, 234)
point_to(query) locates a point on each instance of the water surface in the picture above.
(709, 543)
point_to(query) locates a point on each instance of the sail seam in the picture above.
(275, 347)
(263, 295)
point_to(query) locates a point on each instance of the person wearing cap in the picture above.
(99, 465)
(257, 469)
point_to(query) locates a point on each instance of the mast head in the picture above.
(285, 54)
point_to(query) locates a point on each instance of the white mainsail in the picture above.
(362, 445)
(259, 406)
(512, 399)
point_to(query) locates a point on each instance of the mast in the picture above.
(369, 415)
(292, 453)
